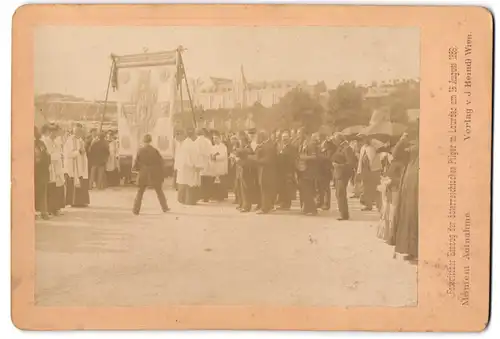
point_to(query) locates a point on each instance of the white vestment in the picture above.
(56, 170)
(373, 157)
(204, 147)
(218, 167)
(187, 161)
(75, 164)
(112, 163)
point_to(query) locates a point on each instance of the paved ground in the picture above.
(211, 254)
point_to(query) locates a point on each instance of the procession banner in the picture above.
(146, 87)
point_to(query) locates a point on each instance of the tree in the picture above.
(345, 106)
(298, 107)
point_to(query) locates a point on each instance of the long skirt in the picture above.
(40, 195)
(386, 227)
(77, 196)
(113, 178)
(219, 189)
(98, 176)
(55, 197)
(406, 218)
(370, 194)
(193, 194)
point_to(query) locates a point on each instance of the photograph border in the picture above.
(440, 29)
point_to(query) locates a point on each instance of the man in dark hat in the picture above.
(344, 162)
(42, 175)
(287, 157)
(98, 157)
(149, 164)
(252, 135)
(307, 173)
(266, 160)
(327, 149)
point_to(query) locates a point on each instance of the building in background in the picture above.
(223, 93)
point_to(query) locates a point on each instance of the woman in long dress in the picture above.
(406, 218)
(76, 168)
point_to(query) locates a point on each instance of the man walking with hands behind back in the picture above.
(149, 164)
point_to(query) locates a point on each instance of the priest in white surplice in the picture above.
(204, 144)
(55, 188)
(76, 169)
(188, 170)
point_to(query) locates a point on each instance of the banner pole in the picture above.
(188, 91)
(107, 93)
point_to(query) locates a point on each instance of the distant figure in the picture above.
(112, 165)
(266, 159)
(219, 169)
(245, 178)
(188, 170)
(286, 182)
(180, 136)
(327, 149)
(76, 168)
(308, 172)
(55, 187)
(231, 177)
(204, 146)
(369, 167)
(42, 175)
(149, 164)
(344, 162)
(89, 139)
(98, 157)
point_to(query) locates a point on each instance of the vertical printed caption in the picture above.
(460, 131)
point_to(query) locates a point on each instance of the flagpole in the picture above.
(107, 93)
(181, 64)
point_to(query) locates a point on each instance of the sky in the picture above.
(76, 59)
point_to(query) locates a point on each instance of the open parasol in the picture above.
(386, 128)
(353, 130)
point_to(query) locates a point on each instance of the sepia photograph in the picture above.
(235, 165)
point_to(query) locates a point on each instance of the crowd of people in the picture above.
(265, 171)
(69, 164)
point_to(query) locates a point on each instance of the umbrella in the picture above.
(386, 128)
(353, 130)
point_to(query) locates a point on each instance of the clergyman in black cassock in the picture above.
(149, 165)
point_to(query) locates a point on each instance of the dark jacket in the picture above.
(42, 162)
(344, 162)
(327, 150)
(310, 161)
(99, 153)
(149, 164)
(266, 160)
(287, 159)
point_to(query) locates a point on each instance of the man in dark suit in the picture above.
(287, 185)
(327, 149)
(265, 158)
(149, 164)
(344, 162)
(42, 175)
(308, 169)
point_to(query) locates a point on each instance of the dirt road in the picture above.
(211, 254)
